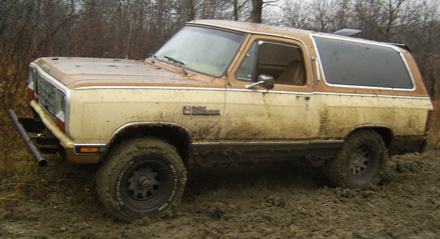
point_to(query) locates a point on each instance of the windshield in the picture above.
(205, 50)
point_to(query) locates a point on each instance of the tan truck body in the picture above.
(98, 108)
(109, 95)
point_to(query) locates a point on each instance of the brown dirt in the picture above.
(270, 201)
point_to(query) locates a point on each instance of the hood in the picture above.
(77, 72)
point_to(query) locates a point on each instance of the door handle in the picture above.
(303, 96)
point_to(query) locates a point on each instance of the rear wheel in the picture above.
(141, 177)
(361, 161)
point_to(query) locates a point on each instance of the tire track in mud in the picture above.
(254, 201)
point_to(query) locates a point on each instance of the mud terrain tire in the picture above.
(141, 177)
(361, 161)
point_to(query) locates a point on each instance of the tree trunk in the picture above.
(257, 10)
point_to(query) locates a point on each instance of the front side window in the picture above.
(282, 61)
(205, 50)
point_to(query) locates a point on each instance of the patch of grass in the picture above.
(25, 180)
(17, 180)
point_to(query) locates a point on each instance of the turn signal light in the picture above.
(31, 93)
(89, 150)
(61, 124)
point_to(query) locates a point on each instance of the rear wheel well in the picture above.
(384, 132)
(172, 134)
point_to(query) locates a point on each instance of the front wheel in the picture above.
(141, 177)
(361, 161)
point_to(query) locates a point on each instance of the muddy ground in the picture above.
(270, 201)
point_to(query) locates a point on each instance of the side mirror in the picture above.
(266, 81)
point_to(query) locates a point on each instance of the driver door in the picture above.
(284, 114)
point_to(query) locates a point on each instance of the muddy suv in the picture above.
(222, 92)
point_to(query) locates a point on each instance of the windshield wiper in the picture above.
(181, 64)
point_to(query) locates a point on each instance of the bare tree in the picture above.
(257, 11)
(295, 14)
(238, 7)
(424, 41)
(385, 19)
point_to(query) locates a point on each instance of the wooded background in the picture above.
(136, 28)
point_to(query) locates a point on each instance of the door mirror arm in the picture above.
(266, 81)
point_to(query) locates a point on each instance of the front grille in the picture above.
(46, 94)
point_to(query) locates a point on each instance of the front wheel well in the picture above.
(174, 135)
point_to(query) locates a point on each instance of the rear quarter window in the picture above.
(353, 63)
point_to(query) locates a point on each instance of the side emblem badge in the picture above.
(199, 110)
